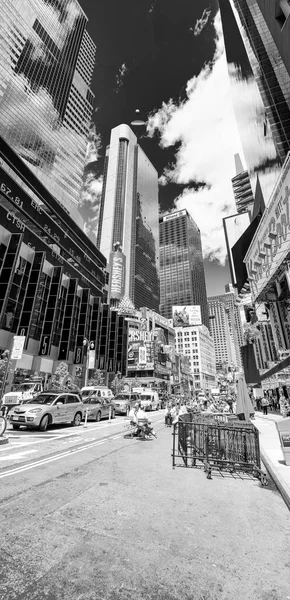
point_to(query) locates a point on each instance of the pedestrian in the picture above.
(265, 404)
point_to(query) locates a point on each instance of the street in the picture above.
(93, 516)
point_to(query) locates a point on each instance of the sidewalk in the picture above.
(271, 453)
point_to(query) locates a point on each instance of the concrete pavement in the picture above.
(271, 453)
(115, 522)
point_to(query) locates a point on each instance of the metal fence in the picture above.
(231, 446)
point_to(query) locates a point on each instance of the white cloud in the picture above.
(201, 23)
(205, 128)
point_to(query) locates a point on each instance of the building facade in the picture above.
(182, 278)
(197, 345)
(46, 66)
(129, 217)
(52, 281)
(259, 99)
(226, 328)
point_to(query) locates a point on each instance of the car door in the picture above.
(59, 410)
(105, 405)
(69, 408)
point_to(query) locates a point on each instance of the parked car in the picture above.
(124, 402)
(49, 408)
(98, 390)
(98, 408)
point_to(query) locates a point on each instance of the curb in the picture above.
(283, 489)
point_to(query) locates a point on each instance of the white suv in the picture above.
(49, 408)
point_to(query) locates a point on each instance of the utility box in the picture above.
(283, 428)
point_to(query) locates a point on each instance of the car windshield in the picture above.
(146, 397)
(92, 400)
(24, 387)
(43, 399)
(122, 397)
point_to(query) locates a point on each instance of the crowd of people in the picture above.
(174, 409)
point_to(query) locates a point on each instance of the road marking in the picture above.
(47, 460)
(17, 455)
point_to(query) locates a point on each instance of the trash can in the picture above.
(283, 428)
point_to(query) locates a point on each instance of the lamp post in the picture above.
(91, 346)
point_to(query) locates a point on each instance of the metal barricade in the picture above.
(231, 446)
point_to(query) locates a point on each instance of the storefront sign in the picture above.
(137, 336)
(270, 245)
(117, 274)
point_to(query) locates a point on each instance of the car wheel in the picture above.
(98, 416)
(77, 419)
(113, 414)
(16, 426)
(44, 423)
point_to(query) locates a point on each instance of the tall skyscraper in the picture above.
(226, 327)
(129, 218)
(46, 65)
(242, 189)
(260, 87)
(182, 279)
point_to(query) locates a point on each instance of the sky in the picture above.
(167, 59)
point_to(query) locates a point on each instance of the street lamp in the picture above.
(138, 122)
(91, 346)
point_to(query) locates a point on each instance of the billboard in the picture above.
(117, 265)
(234, 227)
(175, 215)
(186, 316)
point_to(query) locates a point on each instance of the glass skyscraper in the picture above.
(260, 88)
(129, 216)
(182, 279)
(46, 65)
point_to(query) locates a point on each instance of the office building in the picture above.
(129, 220)
(198, 346)
(46, 65)
(52, 280)
(242, 189)
(226, 328)
(182, 279)
(260, 87)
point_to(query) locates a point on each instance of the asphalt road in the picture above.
(108, 519)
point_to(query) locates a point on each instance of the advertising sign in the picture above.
(234, 227)
(174, 215)
(92, 359)
(17, 348)
(141, 356)
(117, 265)
(270, 245)
(186, 316)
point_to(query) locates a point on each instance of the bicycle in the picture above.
(3, 425)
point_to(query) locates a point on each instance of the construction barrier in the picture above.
(231, 446)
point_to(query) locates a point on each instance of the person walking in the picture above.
(265, 404)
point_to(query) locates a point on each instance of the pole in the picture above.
(7, 368)
(86, 417)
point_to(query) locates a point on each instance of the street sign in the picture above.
(17, 348)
